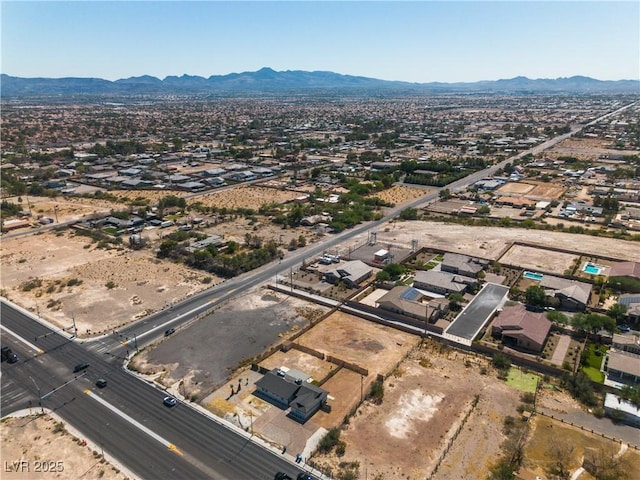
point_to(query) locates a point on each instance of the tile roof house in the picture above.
(442, 282)
(521, 328)
(632, 302)
(625, 276)
(623, 366)
(462, 264)
(351, 273)
(411, 302)
(304, 398)
(573, 295)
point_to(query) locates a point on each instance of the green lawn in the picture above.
(594, 374)
(593, 363)
(520, 380)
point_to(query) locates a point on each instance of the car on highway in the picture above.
(101, 383)
(13, 358)
(169, 331)
(304, 476)
(282, 476)
(81, 366)
(169, 401)
(6, 351)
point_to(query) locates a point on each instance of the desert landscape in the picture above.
(51, 449)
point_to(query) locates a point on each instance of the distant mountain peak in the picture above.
(269, 81)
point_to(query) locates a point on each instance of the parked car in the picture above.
(101, 383)
(169, 401)
(624, 328)
(169, 331)
(80, 367)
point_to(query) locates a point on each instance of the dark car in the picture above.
(80, 367)
(13, 358)
(169, 331)
(6, 351)
(169, 401)
(304, 476)
(101, 383)
(624, 328)
(282, 476)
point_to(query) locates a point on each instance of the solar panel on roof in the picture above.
(629, 300)
(410, 294)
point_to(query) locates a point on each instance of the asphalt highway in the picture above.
(204, 448)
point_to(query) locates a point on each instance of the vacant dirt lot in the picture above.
(585, 148)
(538, 259)
(424, 402)
(399, 194)
(61, 276)
(245, 197)
(491, 242)
(43, 443)
(515, 187)
(63, 209)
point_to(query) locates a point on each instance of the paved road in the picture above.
(208, 449)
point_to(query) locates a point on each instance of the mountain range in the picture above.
(269, 81)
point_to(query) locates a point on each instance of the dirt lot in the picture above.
(44, 443)
(549, 435)
(63, 209)
(538, 259)
(424, 402)
(491, 242)
(246, 197)
(141, 284)
(399, 194)
(533, 189)
(585, 148)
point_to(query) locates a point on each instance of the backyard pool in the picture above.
(592, 269)
(532, 275)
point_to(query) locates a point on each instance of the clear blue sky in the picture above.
(420, 41)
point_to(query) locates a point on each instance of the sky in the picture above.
(419, 41)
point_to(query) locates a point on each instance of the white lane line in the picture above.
(133, 422)
(163, 325)
(27, 343)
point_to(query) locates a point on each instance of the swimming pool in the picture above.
(532, 275)
(592, 269)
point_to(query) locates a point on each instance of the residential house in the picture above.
(442, 282)
(626, 343)
(632, 302)
(244, 176)
(304, 398)
(351, 273)
(520, 328)
(462, 264)
(617, 407)
(623, 366)
(625, 276)
(413, 303)
(573, 295)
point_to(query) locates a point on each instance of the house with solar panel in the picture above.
(413, 303)
(632, 302)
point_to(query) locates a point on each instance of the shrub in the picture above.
(110, 285)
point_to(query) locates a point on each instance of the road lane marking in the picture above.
(27, 343)
(163, 325)
(133, 422)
